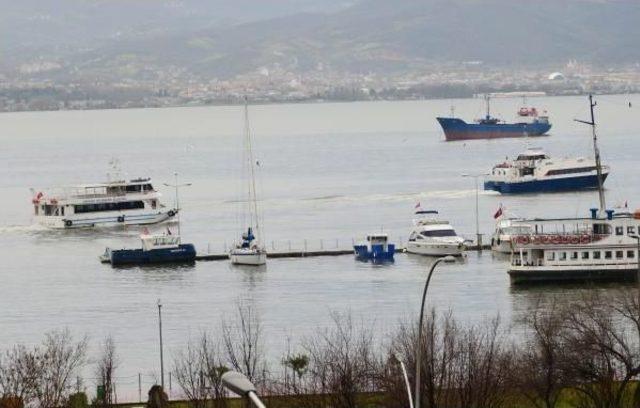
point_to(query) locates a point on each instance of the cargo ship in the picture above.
(530, 123)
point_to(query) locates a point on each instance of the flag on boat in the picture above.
(498, 213)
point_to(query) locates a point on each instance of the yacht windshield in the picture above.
(439, 233)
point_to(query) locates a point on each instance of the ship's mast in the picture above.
(596, 152)
(487, 98)
(253, 199)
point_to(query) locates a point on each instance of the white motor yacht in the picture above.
(433, 236)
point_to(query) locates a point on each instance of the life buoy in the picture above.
(555, 239)
(585, 239)
(564, 239)
(575, 240)
(121, 218)
(523, 240)
(544, 239)
(68, 223)
(171, 213)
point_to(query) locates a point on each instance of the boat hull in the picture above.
(104, 220)
(457, 129)
(248, 257)
(547, 185)
(598, 274)
(185, 253)
(376, 254)
(432, 249)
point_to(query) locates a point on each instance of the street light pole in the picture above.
(161, 351)
(447, 259)
(176, 186)
(478, 235)
(240, 384)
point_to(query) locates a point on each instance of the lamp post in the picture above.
(240, 384)
(478, 235)
(406, 379)
(176, 186)
(448, 259)
(161, 351)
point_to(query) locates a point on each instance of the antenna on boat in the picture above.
(596, 151)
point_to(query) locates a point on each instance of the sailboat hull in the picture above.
(248, 257)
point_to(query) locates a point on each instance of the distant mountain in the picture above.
(357, 36)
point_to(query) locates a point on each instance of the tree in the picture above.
(59, 358)
(105, 372)
(243, 343)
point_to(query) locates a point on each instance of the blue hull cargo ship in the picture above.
(531, 124)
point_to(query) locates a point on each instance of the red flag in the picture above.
(498, 213)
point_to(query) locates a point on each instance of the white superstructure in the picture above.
(433, 236)
(109, 204)
(505, 229)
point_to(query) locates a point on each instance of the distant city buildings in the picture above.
(41, 86)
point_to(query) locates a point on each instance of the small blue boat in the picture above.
(156, 249)
(375, 249)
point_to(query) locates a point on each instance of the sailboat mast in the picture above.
(596, 151)
(252, 181)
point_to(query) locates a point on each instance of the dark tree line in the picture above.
(583, 354)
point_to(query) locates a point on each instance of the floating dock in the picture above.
(307, 254)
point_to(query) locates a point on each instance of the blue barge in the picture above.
(156, 249)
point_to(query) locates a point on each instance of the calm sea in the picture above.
(328, 173)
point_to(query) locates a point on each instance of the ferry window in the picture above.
(631, 230)
(619, 230)
(596, 254)
(133, 188)
(574, 255)
(147, 187)
(62, 211)
(563, 256)
(631, 254)
(153, 204)
(551, 256)
(439, 233)
(585, 255)
(607, 254)
(619, 254)
(603, 229)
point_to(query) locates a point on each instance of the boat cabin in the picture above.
(161, 241)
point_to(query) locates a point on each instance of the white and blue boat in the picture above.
(533, 171)
(156, 249)
(375, 248)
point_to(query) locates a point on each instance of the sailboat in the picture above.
(250, 250)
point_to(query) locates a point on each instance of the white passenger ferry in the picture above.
(604, 246)
(107, 204)
(533, 171)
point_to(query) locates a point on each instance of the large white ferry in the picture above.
(604, 246)
(533, 171)
(577, 249)
(106, 204)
